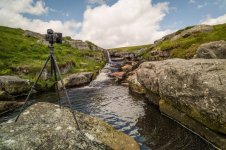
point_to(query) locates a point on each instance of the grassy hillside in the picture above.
(186, 47)
(18, 52)
(183, 47)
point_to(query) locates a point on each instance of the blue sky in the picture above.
(111, 23)
(181, 13)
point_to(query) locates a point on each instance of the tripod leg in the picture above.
(32, 88)
(52, 67)
(68, 100)
(56, 83)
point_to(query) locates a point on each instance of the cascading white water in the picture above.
(103, 76)
(109, 57)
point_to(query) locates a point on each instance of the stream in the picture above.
(132, 115)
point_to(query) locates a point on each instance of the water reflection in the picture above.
(161, 132)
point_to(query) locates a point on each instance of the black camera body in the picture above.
(53, 37)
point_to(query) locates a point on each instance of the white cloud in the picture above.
(127, 22)
(96, 1)
(24, 6)
(214, 21)
(12, 16)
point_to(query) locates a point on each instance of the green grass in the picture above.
(182, 47)
(186, 47)
(18, 51)
(131, 48)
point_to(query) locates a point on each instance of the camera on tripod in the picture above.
(53, 37)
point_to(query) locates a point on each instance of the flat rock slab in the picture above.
(196, 87)
(46, 126)
(14, 85)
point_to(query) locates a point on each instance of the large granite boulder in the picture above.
(13, 85)
(195, 87)
(77, 79)
(46, 126)
(212, 50)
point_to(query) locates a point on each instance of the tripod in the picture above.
(54, 70)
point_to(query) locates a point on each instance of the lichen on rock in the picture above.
(46, 126)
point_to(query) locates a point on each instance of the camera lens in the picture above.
(49, 31)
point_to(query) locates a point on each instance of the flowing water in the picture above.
(131, 115)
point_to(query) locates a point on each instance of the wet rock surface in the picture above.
(118, 75)
(6, 106)
(46, 126)
(212, 50)
(195, 87)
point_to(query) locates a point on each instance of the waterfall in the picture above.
(109, 57)
(103, 76)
